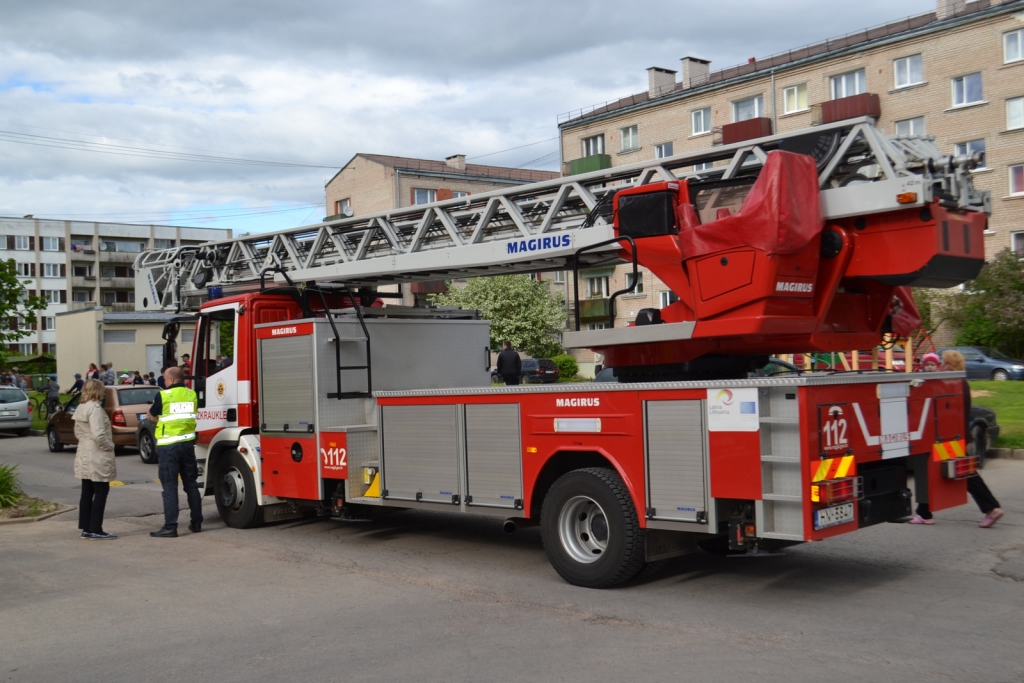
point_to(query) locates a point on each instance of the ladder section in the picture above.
(538, 227)
(780, 510)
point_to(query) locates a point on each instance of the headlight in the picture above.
(1018, 367)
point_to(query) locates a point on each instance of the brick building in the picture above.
(372, 183)
(956, 73)
(78, 265)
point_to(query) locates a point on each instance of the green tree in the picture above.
(15, 302)
(521, 310)
(990, 310)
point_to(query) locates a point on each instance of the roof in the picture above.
(127, 317)
(498, 173)
(809, 53)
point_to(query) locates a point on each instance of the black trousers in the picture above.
(91, 505)
(176, 460)
(510, 380)
(978, 489)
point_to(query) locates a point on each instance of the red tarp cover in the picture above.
(781, 215)
(907, 318)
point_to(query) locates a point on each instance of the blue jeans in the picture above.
(179, 459)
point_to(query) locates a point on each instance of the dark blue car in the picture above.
(982, 362)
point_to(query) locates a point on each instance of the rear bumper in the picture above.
(10, 424)
(125, 437)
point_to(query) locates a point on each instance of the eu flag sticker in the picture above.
(747, 407)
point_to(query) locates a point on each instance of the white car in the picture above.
(15, 411)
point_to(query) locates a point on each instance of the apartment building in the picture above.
(372, 183)
(78, 265)
(956, 73)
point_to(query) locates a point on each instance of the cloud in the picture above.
(317, 82)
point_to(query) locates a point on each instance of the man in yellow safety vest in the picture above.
(174, 412)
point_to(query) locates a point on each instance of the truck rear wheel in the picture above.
(590, 529)
(235, 492)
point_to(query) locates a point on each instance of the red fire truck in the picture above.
(325, 400)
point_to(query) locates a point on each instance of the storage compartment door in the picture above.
(494, 473)
(676, 450)
(421, 453)
(287, 385)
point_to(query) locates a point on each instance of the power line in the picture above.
(529, 144)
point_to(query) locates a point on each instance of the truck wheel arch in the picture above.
(561, 463)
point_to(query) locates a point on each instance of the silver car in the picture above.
(15, 413)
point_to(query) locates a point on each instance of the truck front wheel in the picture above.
(235, 492)
(590, 529)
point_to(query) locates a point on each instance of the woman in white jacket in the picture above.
(94, 462)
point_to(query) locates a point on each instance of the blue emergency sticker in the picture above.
(748, 407)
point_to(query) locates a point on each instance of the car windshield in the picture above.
(992, 353)
(10, 395)
(127, 397)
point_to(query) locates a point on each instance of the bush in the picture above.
(10, 486)
(567, 367)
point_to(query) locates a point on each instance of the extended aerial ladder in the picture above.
(541, 226)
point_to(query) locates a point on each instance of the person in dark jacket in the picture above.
(976, 486)
(510, 366)
(52, 390)
(76, 388)
(137, 378)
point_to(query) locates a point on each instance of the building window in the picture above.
(51, 270)
(81, 271)
(701, 121)
(24, 269)
(966, 89)
(908, 71)
(666, 298)
(597, 287)
(49, 322)
(663, 150)
(188, 336)
(848, 84)
(1017, 179)
(1017, 242)
(51, 295)
(459, 194)
(750, 108)
(639, 285)
(970, 147)
(1015, 113)
(26, 349)
(163, 244)
(341, 205)
(593, 145)
(1013, 45)
(630, 138)
(597, 326)
(109, 297)
(81, 296)
(121, 245)
(21, 242)
(51, 244)
(422, 196)
(80, 243)
(108, 271)
(794, 98)
(704, 166)
(914, 126)
(559, 276)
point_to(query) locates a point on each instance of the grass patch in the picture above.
(37, 422)
(1007, 399)
(29, 507)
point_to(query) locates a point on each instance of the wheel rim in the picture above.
(53, 438)
(1000, 376)
(583, 529)
(146, 447)
(232, 490)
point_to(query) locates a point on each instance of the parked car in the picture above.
(534, 371)
(983, 362)
(15, 411)
(984, 430)
(537, 370)
(126, 406)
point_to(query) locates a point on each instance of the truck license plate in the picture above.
(826, 517)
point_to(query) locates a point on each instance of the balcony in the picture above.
(83, 281)
(117, 282)
(595, 162)
(118, 256)
(117, 307)
(595, 309)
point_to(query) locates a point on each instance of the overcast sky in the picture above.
(307, 85)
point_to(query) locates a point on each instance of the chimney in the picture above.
(660, 81)
(456, 161)
(944, 9)
(695, 71)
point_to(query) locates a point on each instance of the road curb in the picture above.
(22, 520)
(36, 432)
(1006, 453)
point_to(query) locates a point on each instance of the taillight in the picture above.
(117, 419)
(960, 468)
(29, 408)
(837, 490)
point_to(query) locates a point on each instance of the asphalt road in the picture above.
(431, 597)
